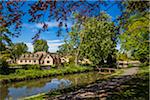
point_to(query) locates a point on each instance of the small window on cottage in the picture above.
(20, 60)
(34, 60)
(25, 60)
(48, 57)
(48, 61)
(29, 60)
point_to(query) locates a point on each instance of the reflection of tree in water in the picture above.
(82, 78)
(61, 82)
(3, 92)
(31, 84)
(64, 83)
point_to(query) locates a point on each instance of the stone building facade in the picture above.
(41, 58)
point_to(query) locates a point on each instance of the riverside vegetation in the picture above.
(135, 88)
(35, 72)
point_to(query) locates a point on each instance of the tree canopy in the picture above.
(40, 45)
(18, 49)
(100, 38)
(135, 38)
(12, 12)
(96, 40)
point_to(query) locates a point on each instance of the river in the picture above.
(23, 89)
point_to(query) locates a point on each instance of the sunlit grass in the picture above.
(37, 73)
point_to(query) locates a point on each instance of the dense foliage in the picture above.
(99, 39)
(135, 36)
(40, 45)
(18, 49)
(96, 40)
(22, 74)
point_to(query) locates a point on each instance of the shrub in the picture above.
(130, 65)
(33, 67)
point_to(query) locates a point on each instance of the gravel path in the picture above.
(131, 71)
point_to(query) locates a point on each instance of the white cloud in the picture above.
(30, 47)
(50, 24)
(54, 41)
(53, 46)
(53, 24)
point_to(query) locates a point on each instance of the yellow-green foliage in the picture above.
(34, 73)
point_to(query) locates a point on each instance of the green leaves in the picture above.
(18, 49)
(40, 45)
(98, 41)
(135, 37)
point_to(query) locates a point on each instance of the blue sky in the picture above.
(29, 30)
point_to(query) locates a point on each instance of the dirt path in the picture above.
(130, 71)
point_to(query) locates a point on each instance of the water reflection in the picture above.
(28, 88)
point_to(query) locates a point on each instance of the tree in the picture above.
(18, 49)
(13, 11)
(129, 8)
(73, 45)
(95, 39)
(135, 38)
(5, 36)
(99, 38)
(40, 45)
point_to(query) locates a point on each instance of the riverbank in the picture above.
(22, 74)
(125, 86)
(75, 87)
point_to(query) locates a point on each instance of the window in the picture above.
(29, 60)
(48, 61)
(20, 60)
(25, 60)
(34, 60)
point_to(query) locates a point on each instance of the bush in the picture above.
(130, 65)
(3, 67)
(31, 67)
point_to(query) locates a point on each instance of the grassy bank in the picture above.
(22, 74)
(52, 94)
(134, 89)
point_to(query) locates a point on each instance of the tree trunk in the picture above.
(76, 58)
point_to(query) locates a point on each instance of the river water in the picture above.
(14, 91)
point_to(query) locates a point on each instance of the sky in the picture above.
(29, 30)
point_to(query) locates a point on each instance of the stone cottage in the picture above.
(41, 58)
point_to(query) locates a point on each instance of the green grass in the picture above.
(135, 89)
(35, 97)
(22, 74)
(144, 69)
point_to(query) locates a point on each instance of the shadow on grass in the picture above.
(135, 89)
